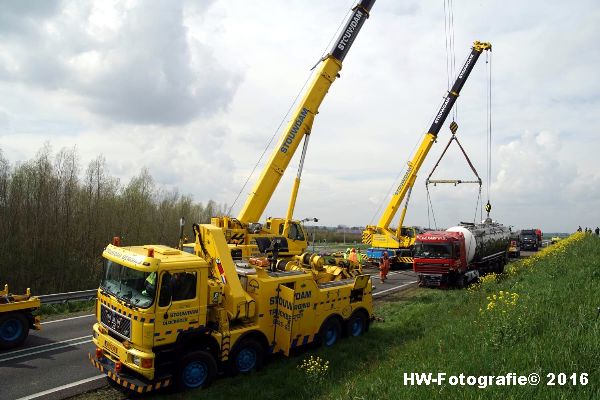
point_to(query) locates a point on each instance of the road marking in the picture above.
(394, 288)
(42, 345)
(67, 319)
(63, 387)
(47, 350)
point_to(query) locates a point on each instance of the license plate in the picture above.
(111, 347)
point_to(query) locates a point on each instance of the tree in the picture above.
(55, 221)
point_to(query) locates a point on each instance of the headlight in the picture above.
(95, 334)
(142, 362)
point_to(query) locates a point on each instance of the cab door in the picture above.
(296, 237)
(178, 305)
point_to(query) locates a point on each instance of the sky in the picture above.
(195, 90)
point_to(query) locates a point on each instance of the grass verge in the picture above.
(50, 310)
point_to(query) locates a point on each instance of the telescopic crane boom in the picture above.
(299, 127)
(380, 236)
(302, 120)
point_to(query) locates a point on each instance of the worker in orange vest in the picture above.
(352, 256)
(384, 267)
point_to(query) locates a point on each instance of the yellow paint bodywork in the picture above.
(19, 302)
(287, 307)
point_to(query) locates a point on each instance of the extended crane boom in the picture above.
(244, 234)
(380, 236)
(302, 120)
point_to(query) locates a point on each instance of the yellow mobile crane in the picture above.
(246, 236)
(399, 243)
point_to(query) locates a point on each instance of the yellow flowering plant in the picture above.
(487, 281)
(501, 319)
(314, 368)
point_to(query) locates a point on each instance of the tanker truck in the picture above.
(459, 255)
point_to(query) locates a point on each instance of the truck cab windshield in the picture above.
(132, 286)
(433, 250)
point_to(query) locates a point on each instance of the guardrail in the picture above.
(58, 298)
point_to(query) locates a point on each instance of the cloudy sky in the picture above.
(194, 90)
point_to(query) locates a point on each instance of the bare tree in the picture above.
(55, 221)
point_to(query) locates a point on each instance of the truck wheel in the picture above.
(461, 281)
(246, 356)
(500, 267)
(357, 324)
(14, 329)
(197, 369)
(330, 331)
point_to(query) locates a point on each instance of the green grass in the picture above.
(48, 310)
(551, 327)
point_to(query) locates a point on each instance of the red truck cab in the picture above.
(439, 258)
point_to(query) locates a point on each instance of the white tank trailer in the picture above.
(461, 254)
(483, 241)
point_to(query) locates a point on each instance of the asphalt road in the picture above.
(50, 358)
(53, 363)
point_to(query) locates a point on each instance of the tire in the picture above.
(246, 356)
(330, 332)
(197, 369)
(500, 267)
(461, 281)
(14, 328)
(357, 324)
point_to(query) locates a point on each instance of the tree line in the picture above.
(333, 235)
(55, 219)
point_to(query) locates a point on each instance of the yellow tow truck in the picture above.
(16, 317)
(167, 317)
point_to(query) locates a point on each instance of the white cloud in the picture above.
(161, 86)
(131, 62)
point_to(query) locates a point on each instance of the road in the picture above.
(53, 363)
(50, 358)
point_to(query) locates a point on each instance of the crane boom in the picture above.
(381, 236)
(415, 164)
(302, 119)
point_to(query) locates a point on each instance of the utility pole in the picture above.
(313, 230)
